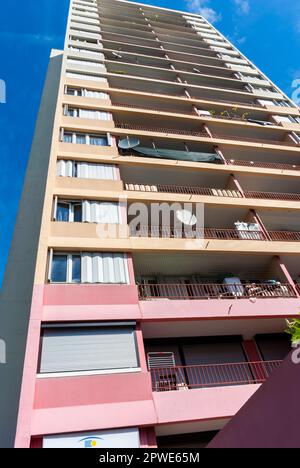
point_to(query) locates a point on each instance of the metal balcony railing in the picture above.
(135, 106)
(173, 131)
(197, 291)
(266, 165)
(184, 190)
(272, 195)
(252, 140)
(211, 375)
(200, 134)
(204, 233)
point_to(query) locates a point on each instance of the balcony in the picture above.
(211, 375)
(197, 291)
(242, 136)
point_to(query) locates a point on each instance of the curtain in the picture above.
(94, 94)
(104, 268)
(100, 212)
(96, 171)
(65, 168)
(95, 115)
(81, 76)
(71, 349)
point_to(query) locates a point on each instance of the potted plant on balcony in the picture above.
(293, 329)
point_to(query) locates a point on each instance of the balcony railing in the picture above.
(201, 134)
(197, 291)
(272, 195)
(212, 233)
(156, 109)
(284, 236)
(211, 375)
(204, 233)
(266, 165)
(183, 190)
(203, 191)
(173, 131)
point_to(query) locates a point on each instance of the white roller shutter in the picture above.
(65, 168)
(96, 171)
(104, 268)
(100, 212)
(95, 348)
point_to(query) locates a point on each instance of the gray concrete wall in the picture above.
(16, 295)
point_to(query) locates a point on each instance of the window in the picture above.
(84, 170)
(80, 139)
(68, 137)
(87, 114)
(88, 348)
(59, 269)
(85, 139)
(90, 77)
(93, 268)
(69, 212)
(98, 140)
(70, 112)
(86, 93)
(66, 268)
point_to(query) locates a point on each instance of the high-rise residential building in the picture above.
(141, 334)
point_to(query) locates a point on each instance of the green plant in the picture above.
(245, 115)
(293, 329)
(212, 112)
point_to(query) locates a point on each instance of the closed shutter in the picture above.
(100, 212)
(65, 168)
(104, 268)
(76, 349)
(96, 171)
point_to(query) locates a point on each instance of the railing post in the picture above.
(234, 182)
(286, 273)
(258, 220)
(253, 356)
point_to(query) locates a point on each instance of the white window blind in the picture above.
(100, 212)
(81, 76)
(94, 115)
(87, 63)
(83, 349)
(94, 94)
(65, 168)
(96, 171)
(105, 268)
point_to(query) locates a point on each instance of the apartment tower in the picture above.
(126, 334)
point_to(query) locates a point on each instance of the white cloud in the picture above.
(202, 7)
(243, 6)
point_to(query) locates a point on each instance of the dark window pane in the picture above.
(76, 269)
(77, 213)
(98, 141)
(80, 139)
(67, 138)
(59, 269)
(63, 211)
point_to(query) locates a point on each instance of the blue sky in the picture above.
(267, 31)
